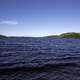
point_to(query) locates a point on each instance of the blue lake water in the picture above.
(39, 59)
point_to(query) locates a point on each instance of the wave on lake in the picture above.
(39, 59)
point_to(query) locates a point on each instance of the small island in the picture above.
(66, 35)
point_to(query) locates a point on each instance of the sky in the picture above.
(39, 17)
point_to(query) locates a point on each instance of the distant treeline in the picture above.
(2, 36)
(66, 35)
(63, 35)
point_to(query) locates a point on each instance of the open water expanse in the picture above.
(25, 58)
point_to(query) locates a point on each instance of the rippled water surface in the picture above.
(39, 59)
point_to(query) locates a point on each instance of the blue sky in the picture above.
(39, 17)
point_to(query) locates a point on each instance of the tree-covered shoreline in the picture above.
(63, 35)
(2, 36)
(66, 35)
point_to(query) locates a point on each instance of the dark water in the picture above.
(39, 59)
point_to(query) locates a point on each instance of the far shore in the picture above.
(63, 35)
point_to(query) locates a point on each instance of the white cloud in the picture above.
(8, 22)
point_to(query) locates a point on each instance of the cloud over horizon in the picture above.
(9, 22)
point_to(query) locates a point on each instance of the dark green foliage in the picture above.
(70, 35)
(66, 35)
(53, 36)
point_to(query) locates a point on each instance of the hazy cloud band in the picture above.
(9, 22)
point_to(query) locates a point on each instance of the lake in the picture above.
(27, 58)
